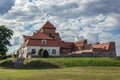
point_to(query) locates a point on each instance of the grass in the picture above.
(62, 69)
(68, 73)
(73, 62)
(48, 63)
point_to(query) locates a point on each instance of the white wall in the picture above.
(22, 52)
(49, 49)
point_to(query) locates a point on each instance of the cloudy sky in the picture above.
(95, 20)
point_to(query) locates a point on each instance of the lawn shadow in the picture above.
(7, 64)
(32, 65)
(41, 65)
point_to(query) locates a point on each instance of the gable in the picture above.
(48, 25)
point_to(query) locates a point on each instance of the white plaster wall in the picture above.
(49, 49)
(23, 52)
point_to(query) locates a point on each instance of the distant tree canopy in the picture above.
(5, 36)
(40, 51)
(44, 53)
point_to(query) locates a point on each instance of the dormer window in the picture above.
(43, 41)
(50, 34)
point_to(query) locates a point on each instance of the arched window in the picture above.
(43, 41)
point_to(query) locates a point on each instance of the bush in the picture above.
(7, 64)
(3, 57)
(38, 64)
(40, 51)
(118, 57)
(15, 55)
(0, 56)
(9, 56)
(44, 54)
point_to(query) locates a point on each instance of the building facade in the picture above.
(47, 38)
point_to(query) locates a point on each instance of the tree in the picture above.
(44, 54)
(39, 51)
(5, 36)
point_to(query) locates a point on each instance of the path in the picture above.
(19, 63)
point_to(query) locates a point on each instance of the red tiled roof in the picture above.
(34, 42)
(26, 37)
(48, 25)
(38, 35)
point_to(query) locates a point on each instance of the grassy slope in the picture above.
(72, 62)
(69, 73)
(48, 63)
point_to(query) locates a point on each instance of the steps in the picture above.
(19, 63)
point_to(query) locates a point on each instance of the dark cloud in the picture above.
(92, 8)
(60, 10)
(103, 7)
(5, 6)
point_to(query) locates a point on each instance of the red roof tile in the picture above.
(38, 35)
(26, 37)
(48, 25)
(34, 42)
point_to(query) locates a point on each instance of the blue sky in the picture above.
(95, 20)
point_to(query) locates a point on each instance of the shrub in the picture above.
(3, 57)
(9, 56)
(39, 64)
(40, 51)
(0, 56)
(7, 64)
(44, 54)
(15, 55)
(118, 57)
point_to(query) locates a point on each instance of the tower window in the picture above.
(43, 41)
(50, 34)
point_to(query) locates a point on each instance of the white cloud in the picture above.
(88, 19)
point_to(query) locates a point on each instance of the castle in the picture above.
(47, 38)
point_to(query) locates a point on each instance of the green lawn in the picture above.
(62, 69)
(42, 63)
(74, 62)
(68, 73)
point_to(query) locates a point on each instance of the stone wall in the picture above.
(83, 49)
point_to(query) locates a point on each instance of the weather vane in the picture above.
(47, 16)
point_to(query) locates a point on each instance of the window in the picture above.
(50, 34)
(54, 51)
(43, 41)
(33, 51)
